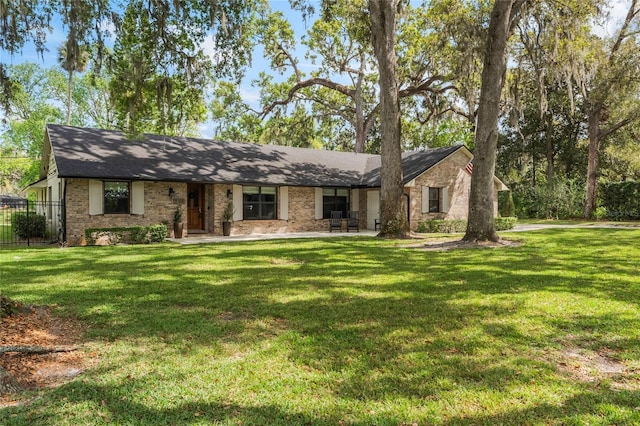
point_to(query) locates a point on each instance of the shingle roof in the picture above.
(413, 164)
(106, 154)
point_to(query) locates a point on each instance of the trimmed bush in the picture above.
(439, 226)
(26, 226)
(129, 235)
(442, 226)
(505, 223)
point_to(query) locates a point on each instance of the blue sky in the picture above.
(249, 93)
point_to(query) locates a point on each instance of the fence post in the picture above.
(28, 226)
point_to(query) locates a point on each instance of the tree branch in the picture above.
(618, 125)
(317, 81)
(38, 350)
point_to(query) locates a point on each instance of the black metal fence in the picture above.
(32, 223)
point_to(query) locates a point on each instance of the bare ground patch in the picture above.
(594, 366)
(446, 245)
(37, 326)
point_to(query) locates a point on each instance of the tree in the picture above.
(393, 222)
(33, 105)
(605, 77)
(149, 92)
(72, 59)
(480, 225)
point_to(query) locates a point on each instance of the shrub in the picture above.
(558, 199)
(131, 234)
(621, 200)
(505, 223)
(442, 226)
(451, 226)
(506, 208)
(30, 225)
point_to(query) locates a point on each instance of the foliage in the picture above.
(505, 223)
(558, 199)
(621, 200)
(361, 331)
(448, 226)
(506, 207)
(442, 226)
(177, 215)
(227, 213)
(131, 234)
(31, 225)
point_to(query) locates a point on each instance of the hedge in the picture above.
(130, 234)
(621, 200)
(30, 225)
(451, 226)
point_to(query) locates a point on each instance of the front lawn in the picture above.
(351, 331)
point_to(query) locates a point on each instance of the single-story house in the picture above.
(106, 180)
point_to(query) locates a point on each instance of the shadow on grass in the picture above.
(397, 323)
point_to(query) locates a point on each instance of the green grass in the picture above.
(583, 222)
(342, 331)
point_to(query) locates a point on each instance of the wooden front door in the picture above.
(195, 206)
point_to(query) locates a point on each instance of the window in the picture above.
(259, 202)
(335, 199)
(116, 197)
(434, 200)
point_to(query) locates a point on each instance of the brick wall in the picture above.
(301, 215)
(452, 175)
(158, 208)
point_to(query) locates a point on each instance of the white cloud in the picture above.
(617, 12)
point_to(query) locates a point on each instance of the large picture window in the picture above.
(335, 199)
(259, 202)
(116, 197)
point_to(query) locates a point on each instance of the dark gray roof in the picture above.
(413, 164)
(106, 154)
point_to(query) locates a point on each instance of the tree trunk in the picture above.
(393, 221)
(480, 225)
(360, 124)
(593, 162)
(69, 96)
(549, 148)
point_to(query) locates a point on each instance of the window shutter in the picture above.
(96, 197)
(137, 198)
(445, 199)
(425, 199)
(284, 202)
(355, 200)
(237, 202)
(318, 203)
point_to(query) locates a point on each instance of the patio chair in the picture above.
(353, 222)
(335, 222)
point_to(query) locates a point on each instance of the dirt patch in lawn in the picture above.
(439, 245)
(37, 327)
(587, 365)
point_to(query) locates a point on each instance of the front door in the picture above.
(195, 207)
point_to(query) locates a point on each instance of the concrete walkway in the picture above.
(521, 227)
(204, 238)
